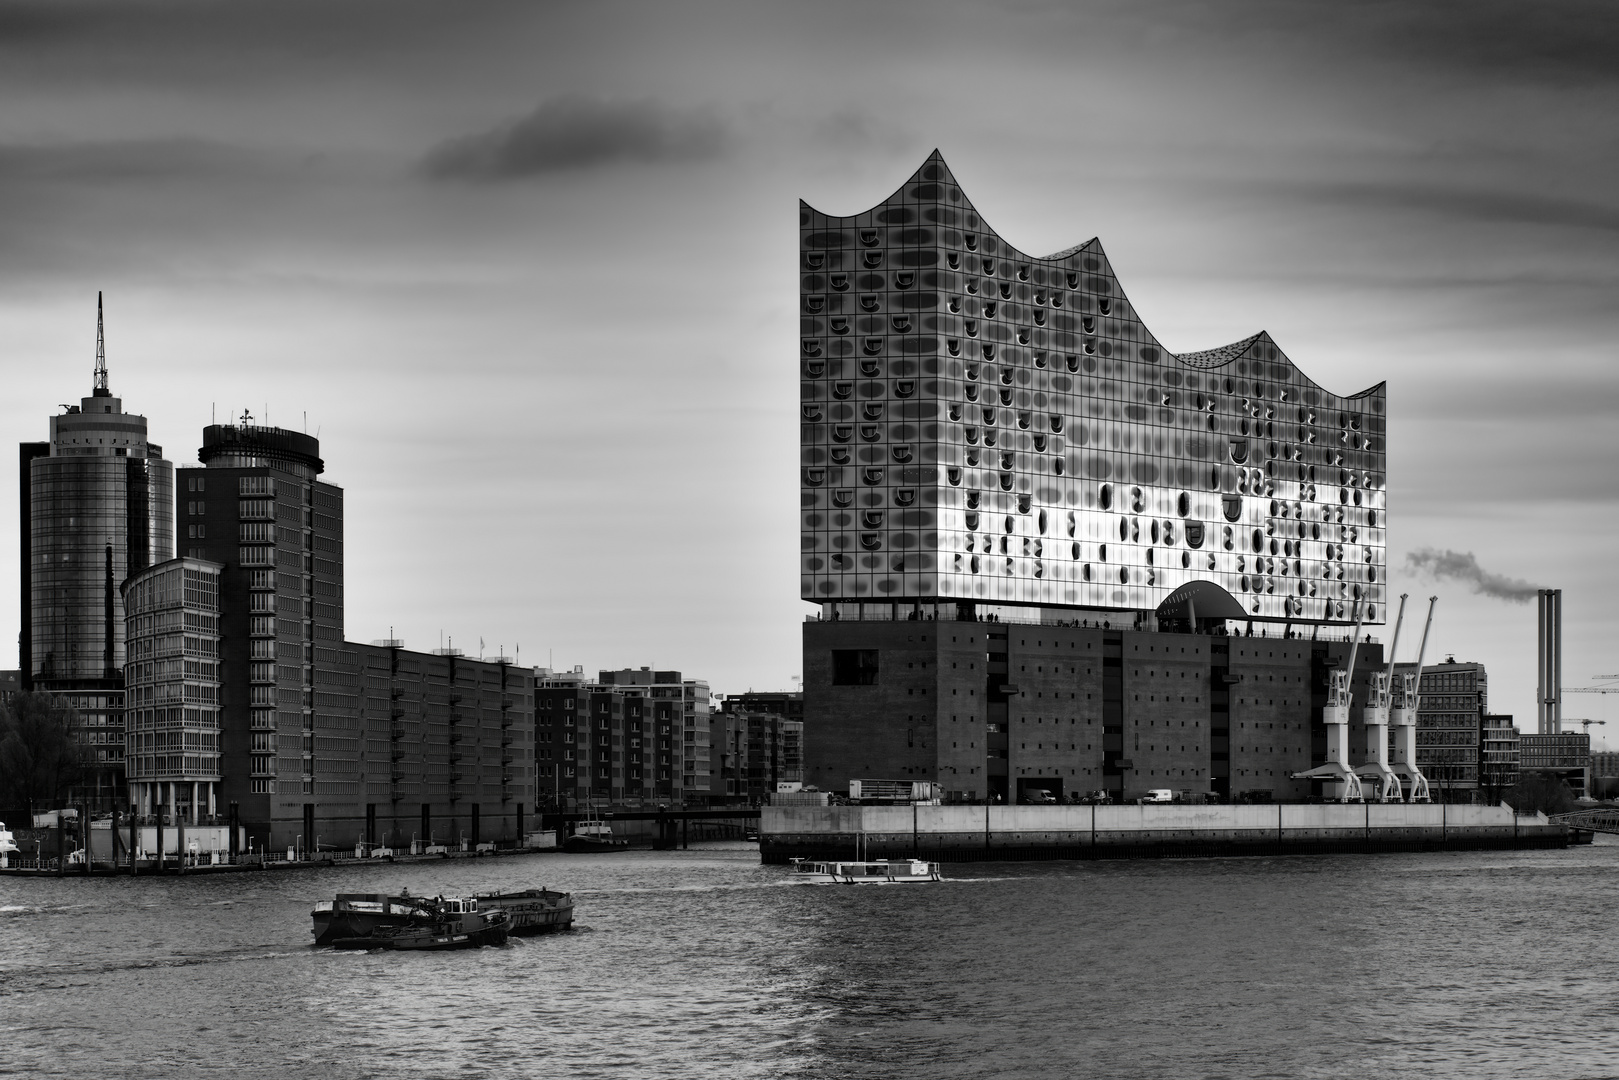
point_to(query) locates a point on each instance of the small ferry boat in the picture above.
(533, 911)
(8, 845)
(436, 924)
(876, 872)
(591, 835)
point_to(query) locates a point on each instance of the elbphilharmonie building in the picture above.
(1054, 559)
(982, 426)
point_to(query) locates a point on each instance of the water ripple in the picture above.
(700, 964)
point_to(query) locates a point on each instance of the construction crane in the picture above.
(1595, 689)
(1587, 724)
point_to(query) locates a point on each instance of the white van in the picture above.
(1159, 795)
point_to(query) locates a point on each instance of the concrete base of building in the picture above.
(1030, 833)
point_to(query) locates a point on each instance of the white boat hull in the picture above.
(879, 872)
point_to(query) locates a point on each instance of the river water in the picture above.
(703, 963)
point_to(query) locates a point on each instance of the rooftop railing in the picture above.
(1066, 617)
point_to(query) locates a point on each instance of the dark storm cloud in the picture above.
(575, 132)
(179, 28)
(1558, 40)
(1549, 41)
(119, 161)
(1462, 566)
(1496, 207)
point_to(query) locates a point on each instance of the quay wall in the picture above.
(1021, 833)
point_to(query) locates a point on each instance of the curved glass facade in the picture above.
(980, 425)
(100, 508)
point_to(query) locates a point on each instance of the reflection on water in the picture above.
(703, 963)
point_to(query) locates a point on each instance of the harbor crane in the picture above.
(1375, 716)
(1403, 716)
(1340, 783)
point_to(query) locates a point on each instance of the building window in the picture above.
(854, 667)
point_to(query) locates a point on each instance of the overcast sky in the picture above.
(530, 269)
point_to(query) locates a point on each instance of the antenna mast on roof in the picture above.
(101, 356)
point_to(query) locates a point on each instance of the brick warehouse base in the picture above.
(1029, 833)
(991, 708)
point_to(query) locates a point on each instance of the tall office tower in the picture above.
(1549, 662)
(988, 437)
(257, 508)
(981, 426)
(97, 505)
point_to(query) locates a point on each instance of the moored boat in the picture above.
(533, 911)
(876, 872)
(592, 835)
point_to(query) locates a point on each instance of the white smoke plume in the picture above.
(1462, 566)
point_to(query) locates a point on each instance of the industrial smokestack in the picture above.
(1549, 662)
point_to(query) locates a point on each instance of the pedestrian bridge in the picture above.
(1605, 819)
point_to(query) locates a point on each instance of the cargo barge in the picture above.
(357, 916)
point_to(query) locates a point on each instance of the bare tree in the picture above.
(1543, 791)
(40, 760)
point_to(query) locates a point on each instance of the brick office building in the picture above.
(322, 741)
(633, 736)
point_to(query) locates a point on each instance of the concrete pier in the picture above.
(1022, 833)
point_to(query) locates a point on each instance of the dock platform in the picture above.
(1026, 833)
